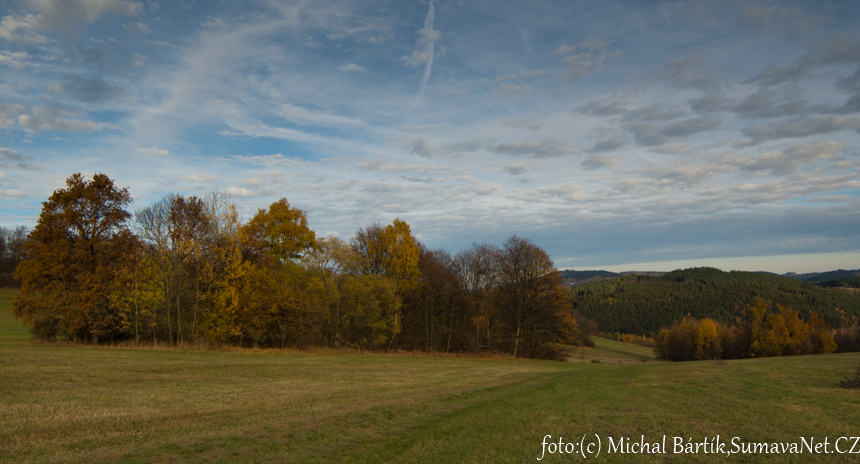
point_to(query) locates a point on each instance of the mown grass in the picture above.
(611, 351)
(64, 403)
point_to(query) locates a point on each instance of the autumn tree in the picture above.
(785, 333)
(75, 253)
(281, 305)
(220, 271)
(820, 336)
(537, 306)
(383, 266)
(280, 233)
(328, 262)
(433, 312)
(707, 340)
(388, 251)
(679, 342)
(754, 322)
(173, 229)
(478, 270)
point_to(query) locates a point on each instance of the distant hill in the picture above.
(643, 304)
(824, 276)
(582, 275)
(572, 278)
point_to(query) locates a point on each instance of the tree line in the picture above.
(758, 333)
(644, 304)
(186, 269)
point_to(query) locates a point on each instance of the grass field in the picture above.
(611, 351)
(63, 403)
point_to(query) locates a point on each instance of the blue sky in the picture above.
(608, 132)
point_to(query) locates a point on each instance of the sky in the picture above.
(612, 134)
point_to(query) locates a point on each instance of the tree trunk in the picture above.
(450, 331)
(196, 306)
(178, 316)
(431, 326)
(517, 342)
(167, 309)
(136, 313)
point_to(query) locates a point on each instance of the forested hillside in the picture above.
(644, 304)
(818, 277)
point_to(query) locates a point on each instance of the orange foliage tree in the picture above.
(75, 255)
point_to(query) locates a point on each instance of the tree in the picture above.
(220, 271)
(371, 310)
(174, 229)
(280, 233)
(707, 340)
(754, 325)
(278, 291)
(432, 312)
(75, 253)
(326, 262)
(388, 251)
(784, 333)
(537, 305)
(820, 336)
(384, 268)
(478, 271)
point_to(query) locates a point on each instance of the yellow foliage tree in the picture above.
(820, 336)
(388, 251)
(707, 341)
(755, 320)
(281, 233)
(371, 310)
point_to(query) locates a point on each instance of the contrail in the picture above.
(428, 26)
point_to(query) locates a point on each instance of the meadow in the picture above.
(83, 404)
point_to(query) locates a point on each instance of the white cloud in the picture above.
(44, 119)
(239, 191)
(200, 177)
(301, 115)
(17, 29)
(213, 23)
(417, 58)
(65, 15)
(153, 151)
(585, 58)
(13, 59)
(137, 28)
(9, 113)
(351, 67)
(513, 89)
(429, 35)
(14, 193)
(787, 161)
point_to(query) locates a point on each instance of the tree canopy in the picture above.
(75, 255)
